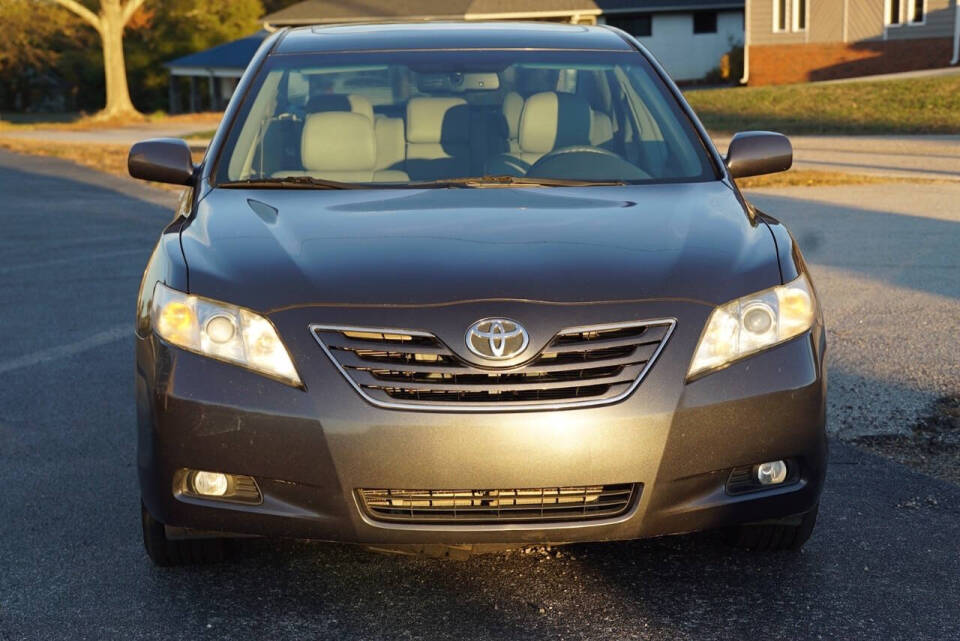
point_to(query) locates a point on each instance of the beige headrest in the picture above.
(340, 102)
(360, 105)
(434, 120)
(512, 110)
(554, 120)
(338, 141)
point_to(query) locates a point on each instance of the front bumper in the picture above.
(310, 450)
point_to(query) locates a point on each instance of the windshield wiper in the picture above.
(291, 182)
(505, 180)
(309, 182)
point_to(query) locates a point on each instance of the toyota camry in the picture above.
(481, 283)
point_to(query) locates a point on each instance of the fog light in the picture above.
(235, 488)
(772, 473)
(210, 483)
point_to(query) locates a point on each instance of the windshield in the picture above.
(460, 117)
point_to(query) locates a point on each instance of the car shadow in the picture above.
(909, 251)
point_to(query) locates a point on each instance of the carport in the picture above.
(219, 68)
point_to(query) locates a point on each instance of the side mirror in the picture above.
(753, 153)
(162, 160)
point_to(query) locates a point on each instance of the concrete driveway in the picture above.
(883, 562)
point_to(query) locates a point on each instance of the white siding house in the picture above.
(686, 54)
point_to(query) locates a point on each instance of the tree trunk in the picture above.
(118, 104)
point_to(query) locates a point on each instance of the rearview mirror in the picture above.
(162, 160)
(753, 153)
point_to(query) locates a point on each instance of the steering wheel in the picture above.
(584, 162)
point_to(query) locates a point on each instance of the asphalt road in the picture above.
(884, 562)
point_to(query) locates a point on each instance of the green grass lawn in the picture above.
(917, 106)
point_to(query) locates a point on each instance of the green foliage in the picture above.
(27, 32)
(49, 60)
(915, 106)
(174, 28)
(32, 40)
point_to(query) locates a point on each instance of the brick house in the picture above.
(805, 40)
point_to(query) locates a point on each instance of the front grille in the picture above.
(583, 365)
(530, 505)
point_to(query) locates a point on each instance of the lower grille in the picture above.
(580, 366)
(530, 505)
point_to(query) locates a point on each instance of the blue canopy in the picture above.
(235, 55)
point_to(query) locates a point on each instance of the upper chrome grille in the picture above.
(579, 366)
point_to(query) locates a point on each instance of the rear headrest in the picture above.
(512, 110)
(436, 120)
(340, 102)
(554, 120)
(338, 141)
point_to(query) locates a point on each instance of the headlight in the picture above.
(753, 323)
(221, 331)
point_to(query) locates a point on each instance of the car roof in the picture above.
(449, 35)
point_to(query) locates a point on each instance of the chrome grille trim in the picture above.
(500, 506)
(393, 372)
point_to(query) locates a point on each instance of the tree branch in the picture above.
(131, 8)
(82, 11)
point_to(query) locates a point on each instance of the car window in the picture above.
(429, 117)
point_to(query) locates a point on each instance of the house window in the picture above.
(780, 15)
(789, 15)
(909, 12)
(705, 22)
(894, 12)
(799, 15)
(639, 25)
(917, 11)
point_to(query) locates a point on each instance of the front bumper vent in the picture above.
(531, 505)
(579, 366)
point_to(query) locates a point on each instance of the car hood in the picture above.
(270, 249)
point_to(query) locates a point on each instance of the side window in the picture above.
(663, 148)
(298, 89)
(376, 85)
(567, 81)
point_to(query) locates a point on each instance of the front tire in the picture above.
(166, 552)
(788, 534)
